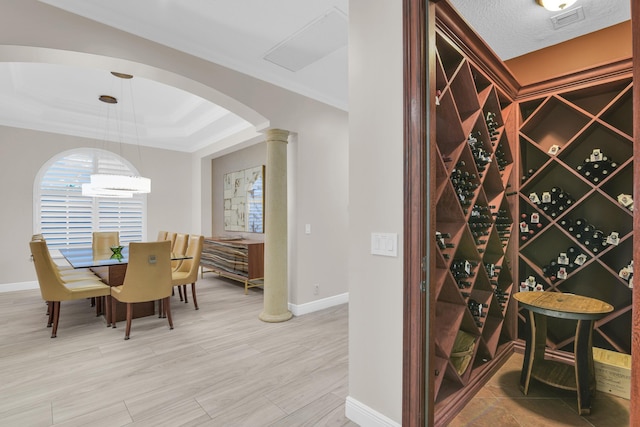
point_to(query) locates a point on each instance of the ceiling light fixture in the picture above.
(555, 5)
(89, 190)
(111, 185)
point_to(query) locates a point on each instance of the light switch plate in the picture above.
(385, 244)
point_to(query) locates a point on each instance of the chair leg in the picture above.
(107, 310)
(184, 290)
(127, 331)
(56, 318)
(98, 304)
(50, 313)
(180, 292)
(161, 309)
(168, 311)
(193, 295)
(114, 304)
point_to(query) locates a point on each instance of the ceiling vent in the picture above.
(567, 18)
(312, 42)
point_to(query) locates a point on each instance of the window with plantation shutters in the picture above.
(66, 218)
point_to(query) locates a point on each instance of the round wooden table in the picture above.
(580, 375)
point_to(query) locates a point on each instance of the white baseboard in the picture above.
(321, 304)
(364, 416)
(22, 286)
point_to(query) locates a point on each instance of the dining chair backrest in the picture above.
(103, 241)
(162, 235)
(148, 275)
(171, 236)
(40, 238)
(52, 287)
(180, 244)
(194, 251)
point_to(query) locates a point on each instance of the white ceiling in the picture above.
(306, 36)
(515, 27)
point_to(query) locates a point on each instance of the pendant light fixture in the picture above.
(555, 5)
(112, 185)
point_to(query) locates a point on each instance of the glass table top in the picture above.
(84, 257)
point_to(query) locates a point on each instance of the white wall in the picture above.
(24, 152)
(375, 205)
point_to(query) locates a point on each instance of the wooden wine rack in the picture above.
(593, 115)
(467, 98)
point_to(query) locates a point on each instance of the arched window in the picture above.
(66, 218)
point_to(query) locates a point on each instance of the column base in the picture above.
(275, 318)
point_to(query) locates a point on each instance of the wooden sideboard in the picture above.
(241, 260)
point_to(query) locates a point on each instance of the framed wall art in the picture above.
(244, 200)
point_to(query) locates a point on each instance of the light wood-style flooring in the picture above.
(220, 366)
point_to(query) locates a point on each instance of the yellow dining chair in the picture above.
(179, 246)
(171, 236)
(148, 278)
(162, 235)
(64, 270)
(188, 270)
(55, 289)
(103, 241)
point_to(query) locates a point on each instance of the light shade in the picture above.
(88, 190)
(133, 184)
(555, 5)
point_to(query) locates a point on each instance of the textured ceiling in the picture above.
(515, 27)
(239, 34)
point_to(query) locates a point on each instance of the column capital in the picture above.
(277, 135)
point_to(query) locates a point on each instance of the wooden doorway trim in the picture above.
(419, 223)
(634, 415)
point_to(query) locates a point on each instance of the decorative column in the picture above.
(276, 289)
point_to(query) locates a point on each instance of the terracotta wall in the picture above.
(605, 46)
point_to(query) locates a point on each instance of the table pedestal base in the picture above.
(113, 275)
(579, 376)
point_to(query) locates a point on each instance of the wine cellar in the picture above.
(534, 193)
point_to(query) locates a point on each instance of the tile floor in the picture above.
(500, 403)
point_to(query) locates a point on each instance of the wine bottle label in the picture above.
(625, 200)
(534, 198)
(535, 218)
(524, 227)
(531, 281)
(596, 155)
(546, 197)
(524, 287)
(553, 150)
(562, 273)
(580, 259)
(625, 273)
(538, 288)
(467, 267)
(563, 259)
(491, 270)
(613, 238)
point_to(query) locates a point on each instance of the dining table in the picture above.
(111, 268)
